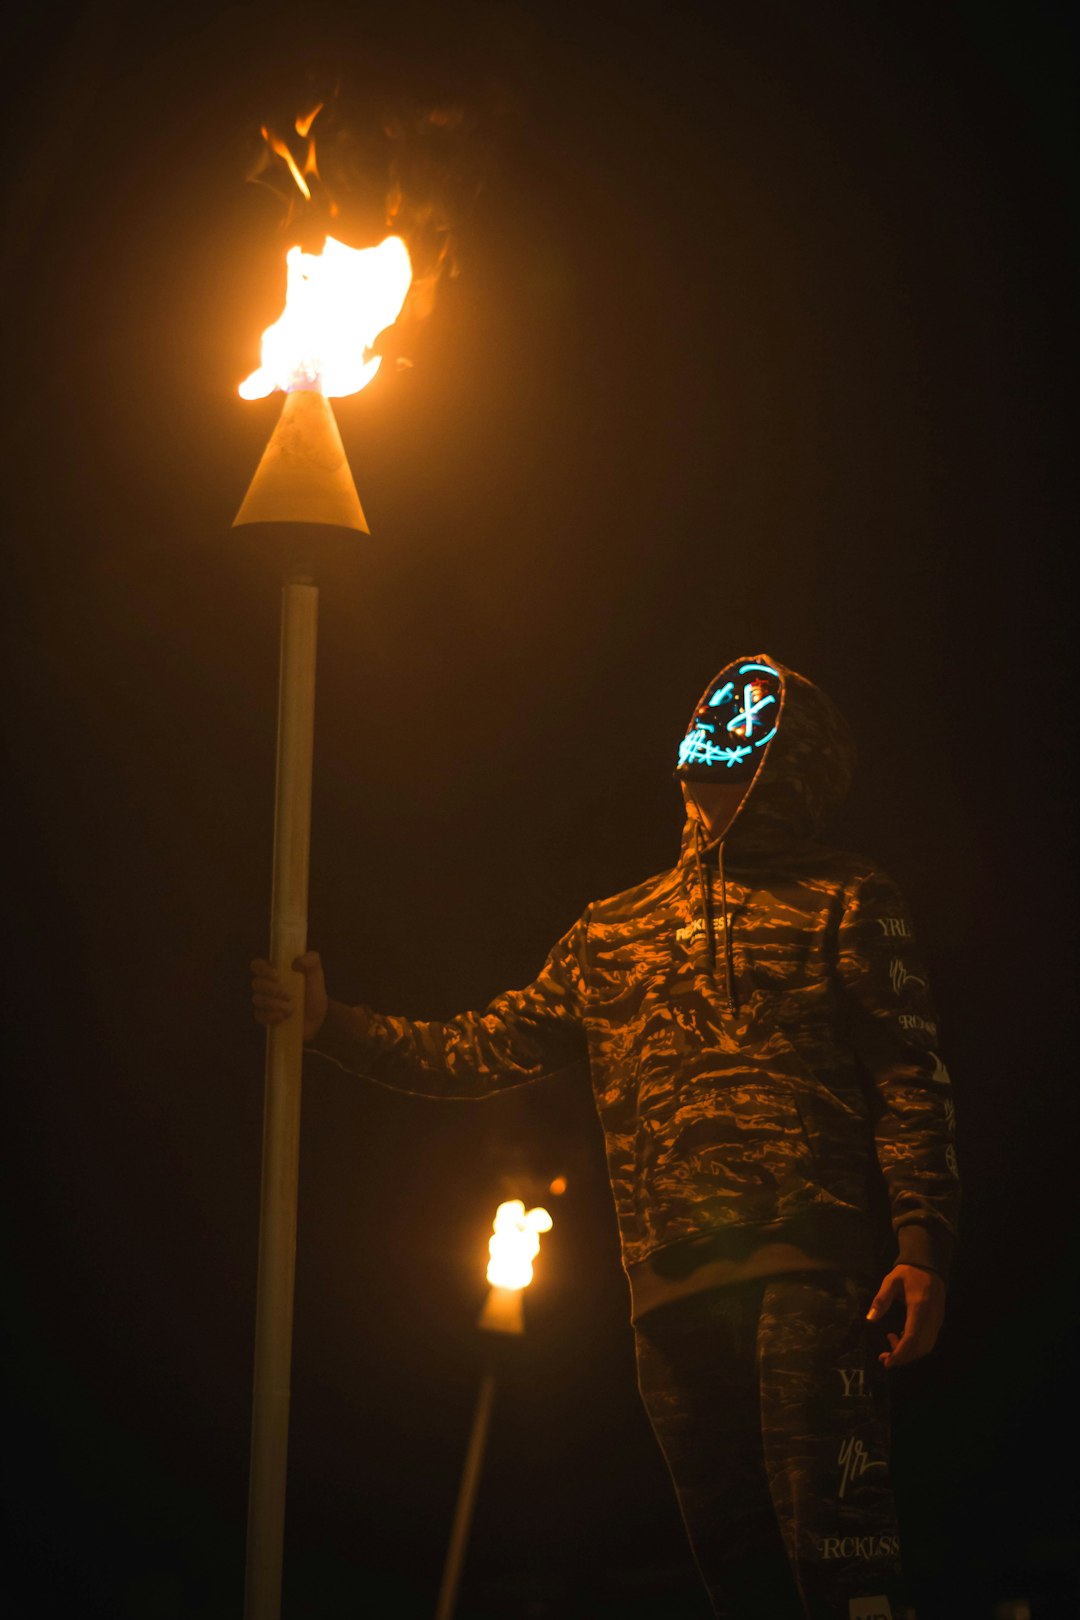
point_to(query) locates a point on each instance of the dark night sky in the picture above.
(761, 341)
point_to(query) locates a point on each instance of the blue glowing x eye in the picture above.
(752, 705)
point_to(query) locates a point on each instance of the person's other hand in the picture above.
(923, 1296)
(272, 1003)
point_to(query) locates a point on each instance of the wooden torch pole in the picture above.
(466, 1502)
(503, 1318)
(281, 1117)
(301, 486)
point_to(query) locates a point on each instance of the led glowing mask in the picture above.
(732, 723)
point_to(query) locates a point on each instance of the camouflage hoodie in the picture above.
(759, 1034)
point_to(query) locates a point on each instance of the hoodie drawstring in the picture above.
(706, 900)
(705, 892)
(729, 957)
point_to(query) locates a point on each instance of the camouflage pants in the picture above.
(771, 1411)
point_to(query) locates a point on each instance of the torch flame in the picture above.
(515, 1244)
(336, 304)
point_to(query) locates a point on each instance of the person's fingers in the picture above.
(265, 972)
(898, 1348)
(893, 1340)
(269, 987)
(271, 1002)
(917, 1339)
(921, 1340)
(884, 1297)
(898, 1354)
(269, 990)
(273, 999)
(925, 1313)
(270, 1015)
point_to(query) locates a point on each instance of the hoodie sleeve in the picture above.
(522, 1035)
(895, 1037)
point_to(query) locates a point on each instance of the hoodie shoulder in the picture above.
(845, 868)
(841, 869)
(638, 901)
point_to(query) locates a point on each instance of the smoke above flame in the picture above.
(515, 1243)
(388, 164)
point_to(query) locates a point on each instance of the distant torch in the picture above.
(513, 1246)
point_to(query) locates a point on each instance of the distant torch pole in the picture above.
(303, 479)
(513, 1247)
(466, 1502)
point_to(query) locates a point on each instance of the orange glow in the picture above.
(277, 145)
(303, 125)
(515, 1243)
(336, 304)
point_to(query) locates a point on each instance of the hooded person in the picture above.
(763, 1055)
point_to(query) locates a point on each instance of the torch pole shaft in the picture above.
(281, 1117)
(466, 1502)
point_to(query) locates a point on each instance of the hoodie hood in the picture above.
(805, 772)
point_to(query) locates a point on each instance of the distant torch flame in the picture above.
(515, 1244)
(336, 304)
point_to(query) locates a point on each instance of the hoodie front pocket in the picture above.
(729, 1154)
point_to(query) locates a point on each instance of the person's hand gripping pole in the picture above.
(272, 1003)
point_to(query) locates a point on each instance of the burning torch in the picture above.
(512, 1247)
(337, 302)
